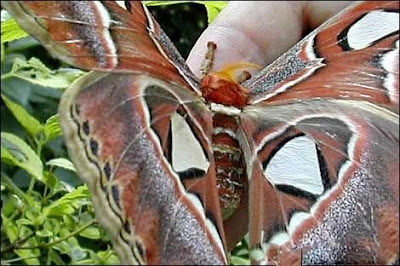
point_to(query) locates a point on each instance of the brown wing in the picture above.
(127, 135)
(138, 133)
(103, 36)
(323, 143)
(352, 56)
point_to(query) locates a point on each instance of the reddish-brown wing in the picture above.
(322, 129)
(142, 146)
(138, 133)
(103, 36)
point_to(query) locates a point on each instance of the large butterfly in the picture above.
(304, 155)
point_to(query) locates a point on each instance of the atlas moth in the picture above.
(303, 155)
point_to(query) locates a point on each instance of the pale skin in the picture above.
(257, 32)
(260, 31)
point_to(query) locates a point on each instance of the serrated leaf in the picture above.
(36, 72)
(24, 221)
(22, 155)
(67, 203)
(63, 163)
(11, 31)
(52, 128)
(32, 126)
(59, 210)
(81, 192)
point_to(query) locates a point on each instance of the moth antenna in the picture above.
(208, 61)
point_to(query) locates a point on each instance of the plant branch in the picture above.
(47, 245)
(17, 243)
(14, 189)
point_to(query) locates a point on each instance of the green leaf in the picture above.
(67, 203)
(30, 255)
(165, 3)
(239, 261)
(92, 232)
(24, 221)
(108, 257)
(51, 180)
(11, 31)
(14, 234)
(55, 258)
(36, 72)
(6, 156)
(52, 128)
(52, 225)
(62, 246)
(214, 8)
(69, 222)
(63, 163)
(58, 209)
(44, 233)
(71, 247)
(11, 204)
(32, 126)
(76, 252)
(10, 228)
(21, 154)
(257, 254)
(2, 52)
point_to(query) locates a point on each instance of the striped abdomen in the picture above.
(230, 167)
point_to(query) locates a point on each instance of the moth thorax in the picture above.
(230, 168)
(218, 89)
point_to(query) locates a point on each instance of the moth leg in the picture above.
(245, 75)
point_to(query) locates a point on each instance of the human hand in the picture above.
(258, 32)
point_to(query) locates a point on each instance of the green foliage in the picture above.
(10, 30)
(31, 125)
(47, 215)
(16, 152)
(213, 7)
(36, 72)
(45, 219)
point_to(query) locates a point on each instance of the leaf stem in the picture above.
(5, 262)
(14, 189)
(18, 242)
(47, 245)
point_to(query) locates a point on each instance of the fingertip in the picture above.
(259, 32)
(232, 46)
(256, 32)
